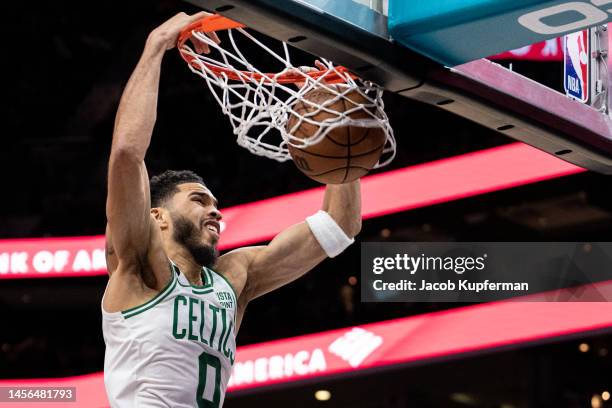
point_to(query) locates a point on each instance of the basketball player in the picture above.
(172, 307)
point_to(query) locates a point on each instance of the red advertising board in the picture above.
(417, 339)
(550, 50)
(426, 184)
(52, 257)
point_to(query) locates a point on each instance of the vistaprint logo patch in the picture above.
(355, 346)
(413, 264)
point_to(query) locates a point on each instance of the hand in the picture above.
(305, 69)
(166, 35)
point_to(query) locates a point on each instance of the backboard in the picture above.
(356, 34)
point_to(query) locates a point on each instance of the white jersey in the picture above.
(176, 350)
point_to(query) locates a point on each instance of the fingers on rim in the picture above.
(200, 46)
(213, 36)
(320, 64)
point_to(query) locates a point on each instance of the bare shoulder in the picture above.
(131, 282)
(234, 266)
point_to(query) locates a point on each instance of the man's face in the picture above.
(195, 221)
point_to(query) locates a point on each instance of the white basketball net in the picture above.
(256, 105)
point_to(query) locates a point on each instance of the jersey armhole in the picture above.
(156, 299)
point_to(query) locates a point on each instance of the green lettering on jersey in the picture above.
(224, 327)
(215, 310)
(176, 334)
(192, 318)
(225, 299)
(227, 352)
(191, 315)
(202, 322)
(206, 360)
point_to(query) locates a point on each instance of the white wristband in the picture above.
(329, 234)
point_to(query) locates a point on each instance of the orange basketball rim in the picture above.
(216, 23)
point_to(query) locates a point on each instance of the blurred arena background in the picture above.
(66, 63)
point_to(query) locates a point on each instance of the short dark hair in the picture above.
(165, 185)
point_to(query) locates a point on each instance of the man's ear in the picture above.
(161, 216)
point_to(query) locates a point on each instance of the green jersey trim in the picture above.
(158, 298)
(206, 278)
(202, 292)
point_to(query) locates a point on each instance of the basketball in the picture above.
(346, 153)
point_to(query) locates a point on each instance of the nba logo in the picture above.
(577, 62)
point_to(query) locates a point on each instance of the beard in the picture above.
(189, 235)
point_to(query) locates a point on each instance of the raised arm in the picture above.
(128, 201)
(296, 250)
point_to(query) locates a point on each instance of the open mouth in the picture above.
(213, 226)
